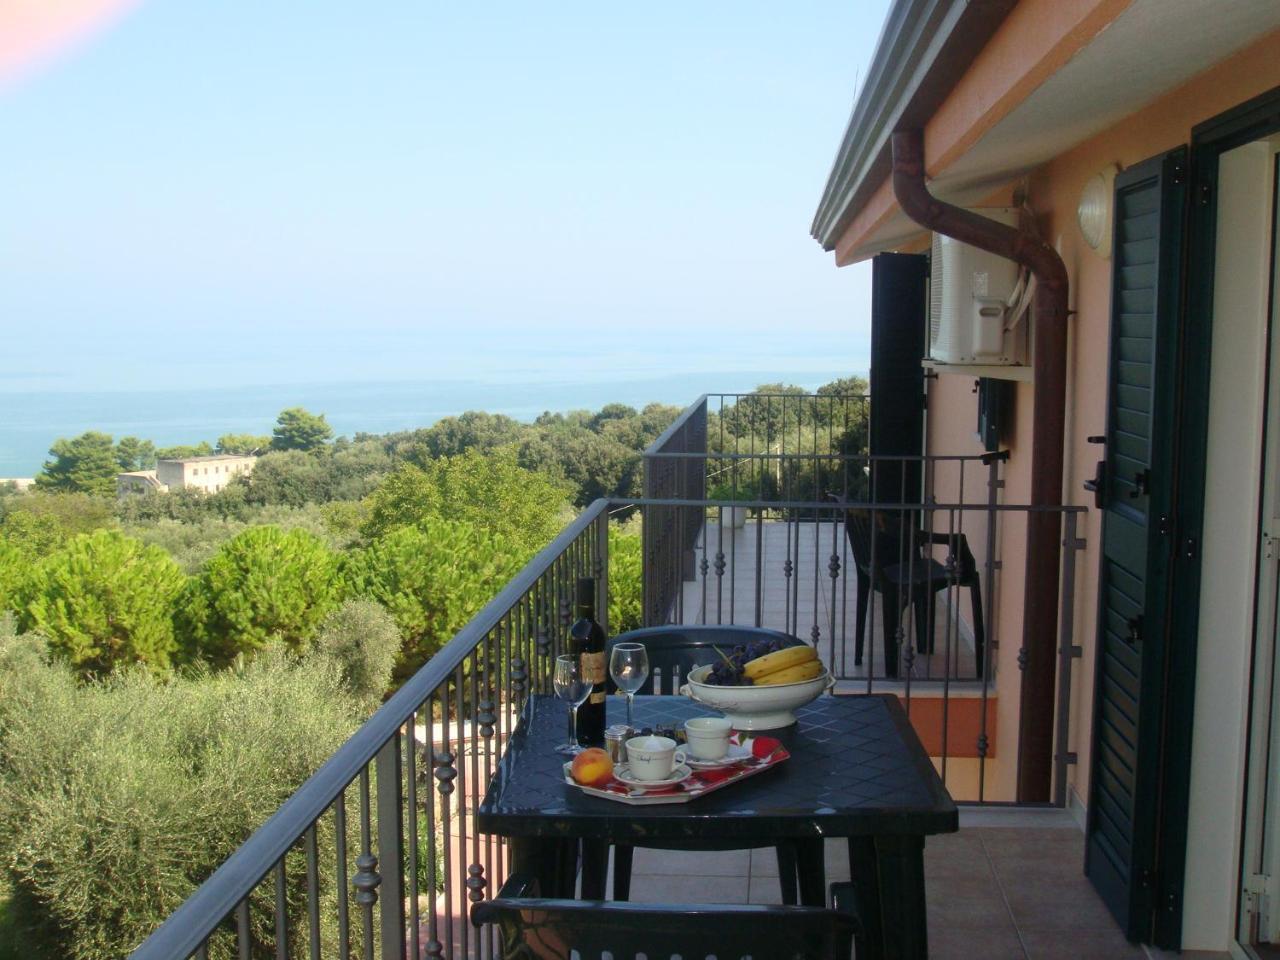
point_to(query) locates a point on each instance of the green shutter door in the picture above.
(1135, 495)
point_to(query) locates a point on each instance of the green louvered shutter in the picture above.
(1136, 498)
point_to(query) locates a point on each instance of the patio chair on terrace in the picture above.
(904, 575)
(674, 651)
(535, 929)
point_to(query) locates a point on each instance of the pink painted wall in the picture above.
(1054, 193)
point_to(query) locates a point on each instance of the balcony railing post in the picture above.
(391, 850)
(602, 577)
(1067, 651)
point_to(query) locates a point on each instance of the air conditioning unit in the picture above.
(974, 298)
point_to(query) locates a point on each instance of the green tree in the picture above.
(105, 599)
(135, 454)
(38, 523)
(184, 450)
(85, 464)
(472, 430)
(243, 443)
(14, 571)
(491, 491)
(264, 584)
(432, 578)
(299, 429)
(365, 641)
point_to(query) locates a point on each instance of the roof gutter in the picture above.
(1044, 536)
(925, 46)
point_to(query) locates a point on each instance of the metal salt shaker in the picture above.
(615, 742)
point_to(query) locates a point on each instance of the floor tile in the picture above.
(1078, 945)
(974, 943)
(721, 863)
(1056, 905)
(957, 901)
(688, 889)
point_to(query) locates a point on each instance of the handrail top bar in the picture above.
(837, 507)
(874, 458)
(184, 930)
(677, 424)
(794, 396)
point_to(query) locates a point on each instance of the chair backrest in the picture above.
(887, 528)
(675, 650)
(534, 929)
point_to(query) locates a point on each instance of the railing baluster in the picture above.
(313, 893)
(282, 913)
(366, 879)
(340, 839)
(244, 936)
(411, 801)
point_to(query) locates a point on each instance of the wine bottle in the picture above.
(586, 639)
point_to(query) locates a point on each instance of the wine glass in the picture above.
(572, 688)
(629, 667)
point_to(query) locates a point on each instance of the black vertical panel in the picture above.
(899, 285)
(1129, 697)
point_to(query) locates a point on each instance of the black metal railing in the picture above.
(377, 854)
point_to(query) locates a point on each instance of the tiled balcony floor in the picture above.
(811, 597)
(994, 892)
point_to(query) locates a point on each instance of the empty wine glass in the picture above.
(572, 688)
(629, 667)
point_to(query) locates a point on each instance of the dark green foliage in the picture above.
(263, 585)
(299, 429)
(472, 430)
(349, 471)
(489, 491)
(243, 443)
(119, 798)
(38, 523)
(184, 506)
(432, 578)
(135, 454)
(594, 465)
(83, 464)
(363, 639)
(184, 450)
(104, 600)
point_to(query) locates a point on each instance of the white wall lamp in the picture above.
(1097, 205)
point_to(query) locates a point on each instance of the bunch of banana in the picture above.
(789, 665)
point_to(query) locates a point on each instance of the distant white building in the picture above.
(209, 474)
(21, 484)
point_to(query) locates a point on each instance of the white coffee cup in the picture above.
(708, 737)
(652, 758)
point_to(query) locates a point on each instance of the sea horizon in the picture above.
(34, 419)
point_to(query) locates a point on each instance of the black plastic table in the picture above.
(857, 770)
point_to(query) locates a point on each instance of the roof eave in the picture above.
(925, 46)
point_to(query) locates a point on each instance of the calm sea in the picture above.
(32, 421)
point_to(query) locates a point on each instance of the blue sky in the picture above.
(244, 192)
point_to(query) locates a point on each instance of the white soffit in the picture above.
(1150, 49)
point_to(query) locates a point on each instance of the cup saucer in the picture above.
(679, 773)
(736, 754)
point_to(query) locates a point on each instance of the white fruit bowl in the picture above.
(756, 708)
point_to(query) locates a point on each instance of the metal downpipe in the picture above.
(1044, 536)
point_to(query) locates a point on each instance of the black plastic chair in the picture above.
(904, 576)
(537, 929)
(673, 652)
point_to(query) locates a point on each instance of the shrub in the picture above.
(105, 599)
(14, 571)
(38, 522)
(363, 639)
(626, 586)
(110, 818)
(264, 584)
(432, 579)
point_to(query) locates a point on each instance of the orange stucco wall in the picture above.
(1054, 193)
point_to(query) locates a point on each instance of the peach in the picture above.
(592, 767)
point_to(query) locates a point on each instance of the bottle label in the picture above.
(597, 697)
(592, 667)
